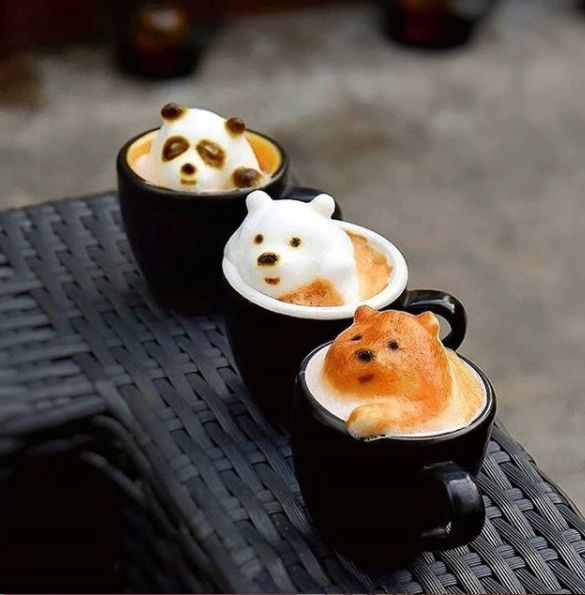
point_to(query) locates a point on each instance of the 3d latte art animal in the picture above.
(293, 251)
(393, 376)
(196, 150)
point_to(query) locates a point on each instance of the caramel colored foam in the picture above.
(389, 374)
(138, 148)
(373, 271)
(266, 152)
(470, 394)
(317, 293)
(373, 267)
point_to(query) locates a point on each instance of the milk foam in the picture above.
(195, 151)
(342, 408)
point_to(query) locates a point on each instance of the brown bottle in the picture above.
(434, 23)
(156, 41)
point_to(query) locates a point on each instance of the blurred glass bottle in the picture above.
(434, 23)
(155, 40)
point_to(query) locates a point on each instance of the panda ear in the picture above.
(257, 200)
(364, 313)
(173, 111)
(323, 204)
(430, 322)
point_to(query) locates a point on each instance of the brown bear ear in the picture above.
(364, 313)
(430, 322)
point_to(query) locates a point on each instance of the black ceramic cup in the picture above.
(269, 338)
(178, 237)
(387, 499)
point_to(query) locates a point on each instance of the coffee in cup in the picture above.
(296, 253)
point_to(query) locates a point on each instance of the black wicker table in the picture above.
(91, 369)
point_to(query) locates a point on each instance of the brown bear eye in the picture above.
(295, 242)
(365, 355)
(259, 239)
(356, 338)
(393, 345)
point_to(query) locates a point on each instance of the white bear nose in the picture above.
(267, 259)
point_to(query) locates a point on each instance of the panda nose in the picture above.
(188, 169)
(267, 259)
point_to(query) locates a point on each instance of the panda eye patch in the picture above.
(258, 239)
(173, 147)
(211, 153)
(295, 242)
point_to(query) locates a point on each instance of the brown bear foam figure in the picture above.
(394, 369)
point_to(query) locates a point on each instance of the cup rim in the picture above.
(168, 193)
(388, 295)
(337, 424)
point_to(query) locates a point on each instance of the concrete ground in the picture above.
(472, 162)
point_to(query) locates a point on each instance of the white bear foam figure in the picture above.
(196, 150)
(285, 245)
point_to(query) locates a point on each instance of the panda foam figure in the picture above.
(196, 150)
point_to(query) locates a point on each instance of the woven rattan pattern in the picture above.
(84, 352)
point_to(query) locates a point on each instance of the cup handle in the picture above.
(466, 509)
(443, 304)
(306, 194)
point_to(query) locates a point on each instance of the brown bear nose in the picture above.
(267, 259)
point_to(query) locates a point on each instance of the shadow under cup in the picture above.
(385, 500)
(178, 237)
(270, 338)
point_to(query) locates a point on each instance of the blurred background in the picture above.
(470, 157)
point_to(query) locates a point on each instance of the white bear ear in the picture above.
(257, 200)
(323, 204)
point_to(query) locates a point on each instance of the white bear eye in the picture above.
(258, 239)
(295, 242)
